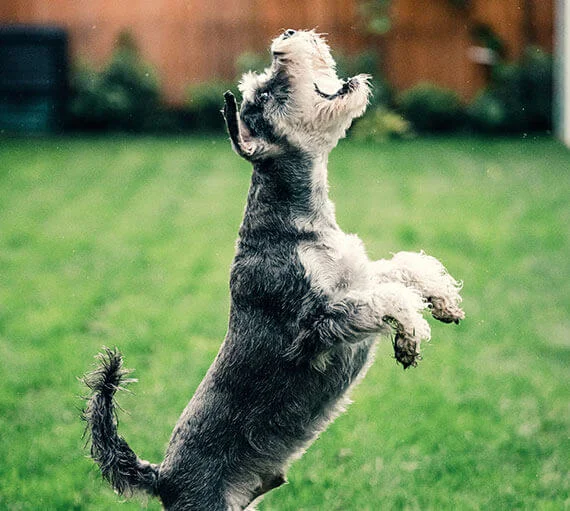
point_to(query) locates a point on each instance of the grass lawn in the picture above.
(128, 242)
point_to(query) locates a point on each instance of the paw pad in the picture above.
(406, 350)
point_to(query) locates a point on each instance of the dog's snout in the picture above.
(288, 33)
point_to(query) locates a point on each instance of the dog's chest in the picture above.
(335, 264)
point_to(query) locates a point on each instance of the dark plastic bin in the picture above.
(33, 78)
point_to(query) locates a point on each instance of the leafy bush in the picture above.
(487, 113)
(125, 95)
(375, 15)
(380, 125)
(206, 100)
(431, 108)
(519, 97)
(204, 105)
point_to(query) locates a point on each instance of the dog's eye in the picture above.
(263, 97)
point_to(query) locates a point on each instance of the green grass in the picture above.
(128, 242)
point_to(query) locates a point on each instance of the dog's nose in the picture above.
(288, 33)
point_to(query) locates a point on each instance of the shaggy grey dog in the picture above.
(306, 303)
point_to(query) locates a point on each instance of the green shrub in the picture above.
(204, 105)
(519, 97)
(487, 113)
(375, 15)
(431, 108)
(536, 88)
(125, 95)
(380, 125)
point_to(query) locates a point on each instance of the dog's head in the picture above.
(298, 101)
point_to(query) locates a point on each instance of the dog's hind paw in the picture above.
(444, 311)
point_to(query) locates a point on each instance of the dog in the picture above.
(306, 303)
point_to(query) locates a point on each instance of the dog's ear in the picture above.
(250, 148)
(244, 149)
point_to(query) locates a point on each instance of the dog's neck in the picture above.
(320, 214)
(288, 198)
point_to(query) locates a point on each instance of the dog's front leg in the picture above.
(390, 307)
(429, 277)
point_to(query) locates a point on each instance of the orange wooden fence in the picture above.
(190, 41)
(430, 39)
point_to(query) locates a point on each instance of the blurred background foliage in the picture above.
(519, 97)
(125, 95)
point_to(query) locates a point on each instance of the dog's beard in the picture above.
(318, 106)
(320, 102)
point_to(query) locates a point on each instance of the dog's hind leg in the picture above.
(428, 276)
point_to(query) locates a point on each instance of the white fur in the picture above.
(310, 121)
(336, 265)
(423, 272)
(339, 268)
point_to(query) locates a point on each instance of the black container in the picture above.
(33, 78)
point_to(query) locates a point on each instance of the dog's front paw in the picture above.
(407, 342)
(406, 349)
(444, 311)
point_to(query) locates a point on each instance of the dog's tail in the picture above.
(119, 465)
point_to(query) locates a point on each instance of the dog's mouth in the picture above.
(349, 85)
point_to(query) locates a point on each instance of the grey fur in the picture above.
(292, 349)
(118, 463)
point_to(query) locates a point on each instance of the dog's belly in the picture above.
(267, 406)
(342, 372)
(283, 405)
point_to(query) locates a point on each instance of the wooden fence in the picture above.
(189, 41)
(430, 39)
